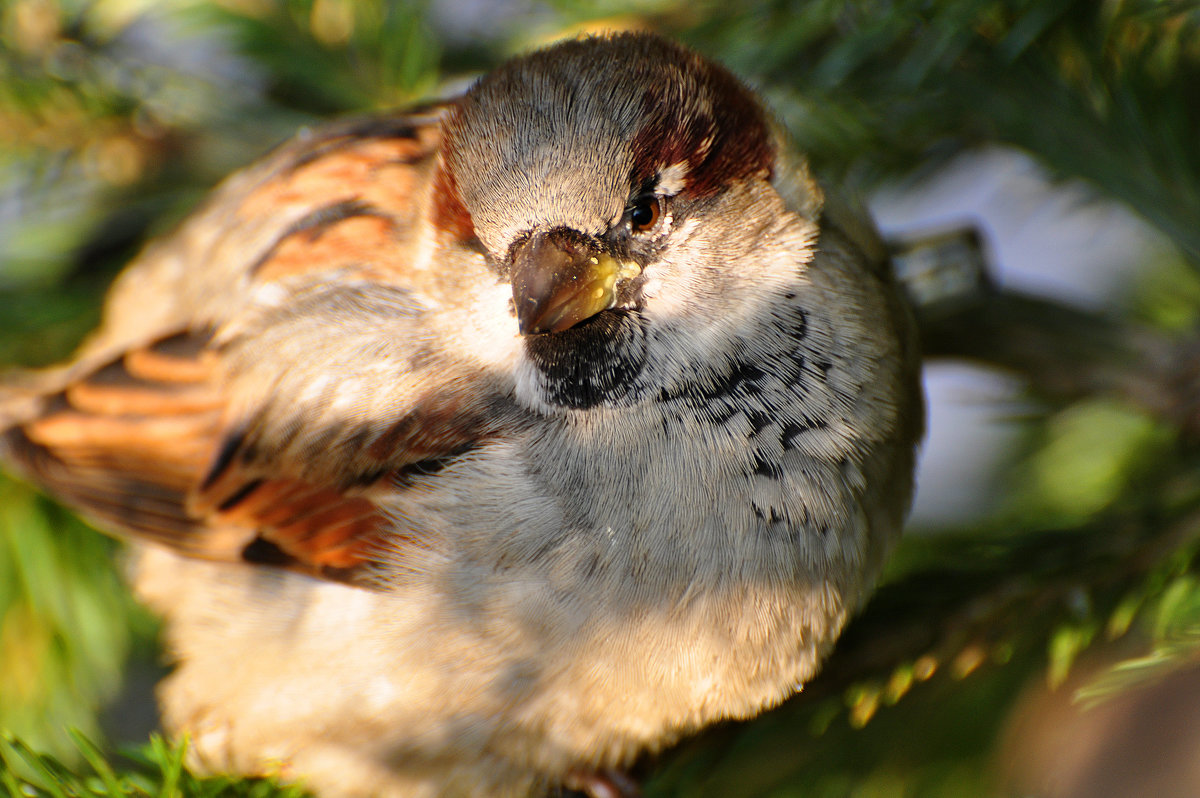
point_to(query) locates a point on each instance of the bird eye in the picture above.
(644, 214)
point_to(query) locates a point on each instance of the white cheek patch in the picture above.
(528, 388)
(671, 302)
(491, 329)
(672, 179)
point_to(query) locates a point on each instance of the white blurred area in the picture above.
(1045, 237)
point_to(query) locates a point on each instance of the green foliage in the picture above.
(116, 118)
(1168, 295)
(1085, 456)
(1108, 92)
(333, 56)
(1169, 607)
(65, 621)
(156, 770)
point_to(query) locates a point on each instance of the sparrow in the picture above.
(478, 449)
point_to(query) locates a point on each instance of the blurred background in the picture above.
(1035, 162)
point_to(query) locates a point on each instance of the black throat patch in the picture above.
(592, 363)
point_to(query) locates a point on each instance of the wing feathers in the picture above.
(129, 445)
(257, 444)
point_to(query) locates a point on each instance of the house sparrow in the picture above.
(478, 449)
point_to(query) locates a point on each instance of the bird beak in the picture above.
(560, 278)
